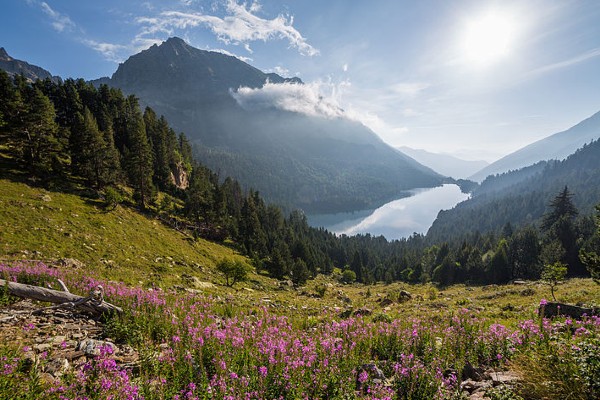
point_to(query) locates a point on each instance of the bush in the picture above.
(234, 271)
(112, 198)
(348, 276)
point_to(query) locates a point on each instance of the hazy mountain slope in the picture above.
(17, 67)
(314, 162)
(554, 147)
(445, 164)
(525, 202)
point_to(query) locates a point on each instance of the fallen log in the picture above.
(94, 303)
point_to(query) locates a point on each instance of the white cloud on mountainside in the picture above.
(305, 99)
(309, 99)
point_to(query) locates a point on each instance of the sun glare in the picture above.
(488, 38)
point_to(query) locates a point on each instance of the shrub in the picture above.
(234, 271)
(112, 198)
(348, 276)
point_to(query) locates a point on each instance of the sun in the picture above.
(488, 38)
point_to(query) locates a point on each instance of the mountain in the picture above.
(554, 147)
(300, 159)
(17, 67)
(445, 164)
(521, 197)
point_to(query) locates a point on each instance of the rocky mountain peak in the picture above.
(4, 55)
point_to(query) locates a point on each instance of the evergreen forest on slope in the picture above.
(65, 132)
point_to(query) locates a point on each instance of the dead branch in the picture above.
(94, 303)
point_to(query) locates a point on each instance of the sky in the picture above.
(473, 78)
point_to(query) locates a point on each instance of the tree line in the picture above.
(101, 138)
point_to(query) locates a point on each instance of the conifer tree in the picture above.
(98, 157)
(35, 132)
(559, 226)
(139, 156)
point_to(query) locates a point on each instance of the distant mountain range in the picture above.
(445, 164)
(18, 67)
(554, 147)
(262, 134)
(522, 196)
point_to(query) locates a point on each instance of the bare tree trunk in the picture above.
(69, 300)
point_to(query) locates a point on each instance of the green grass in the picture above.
(122, 244)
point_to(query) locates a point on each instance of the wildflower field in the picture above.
(235, 346)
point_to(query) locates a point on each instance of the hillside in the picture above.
(555, 147)
(122, 244)
(313, 161)
(445, 164)
(521, 197)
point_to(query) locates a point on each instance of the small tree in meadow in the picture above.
(234, 271)
(348, 276)
(553, 274)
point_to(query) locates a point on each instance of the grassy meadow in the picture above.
(325, 341)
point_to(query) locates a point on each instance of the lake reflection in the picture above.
(396, 219)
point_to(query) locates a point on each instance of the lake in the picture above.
(396, 219)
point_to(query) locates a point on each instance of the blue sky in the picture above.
(477, 79)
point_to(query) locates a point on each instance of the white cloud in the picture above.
(281, 71)
(318, 99)
(110, 51)
(60, 22)
(305, 99)
(567, 63)
(239, 26)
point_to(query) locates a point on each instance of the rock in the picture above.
(472, 386)
(504, 377)
(91, 347)
(284, 285)
(374, 371)
(386, 302)
(555, 309)
(405, 295)
(71, 263)
(46, 198)
(470, 373)
(527, 292)
(42, 347)
(57, 367)
(179, 176)
(363, 311)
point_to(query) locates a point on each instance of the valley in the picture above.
(299, 200)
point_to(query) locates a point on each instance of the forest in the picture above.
(72, 134)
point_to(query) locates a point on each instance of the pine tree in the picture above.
(561, 206)
(559, 226)
(98, 158)
(139, 156)
(35, 132)
(157, 132)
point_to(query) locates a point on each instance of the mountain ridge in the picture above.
(17, 67)
(557, 146)
(445, 164)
